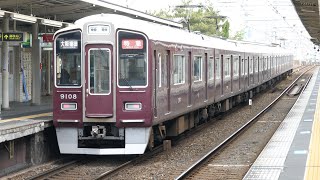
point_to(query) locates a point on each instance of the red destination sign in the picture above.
(47, 37)
(132, 44)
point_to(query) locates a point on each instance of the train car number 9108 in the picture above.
(68, 96)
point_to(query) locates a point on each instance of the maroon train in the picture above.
(122, 84)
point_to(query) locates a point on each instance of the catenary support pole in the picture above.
(36, 74)
(5, 70)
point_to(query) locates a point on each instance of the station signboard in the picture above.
(47, 37)
(11, 36)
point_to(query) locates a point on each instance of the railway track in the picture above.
(69, 170)
(195, 168)
(83, 168)
(113, 174)
(97, 167)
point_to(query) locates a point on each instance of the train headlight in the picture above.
(68, 106)
(133, 106)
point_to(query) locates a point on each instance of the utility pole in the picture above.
(188, 12)
(216, 20)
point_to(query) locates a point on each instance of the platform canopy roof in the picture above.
(308, 11)
(71, 10)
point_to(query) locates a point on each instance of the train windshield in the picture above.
(68, 59)
(132, 59)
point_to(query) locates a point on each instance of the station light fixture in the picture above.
(2, 13)
(65, 24)
(48, 22)
(23, 18)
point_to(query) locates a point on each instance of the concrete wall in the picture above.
(28, 151)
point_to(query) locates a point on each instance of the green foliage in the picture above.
(204, 19)
(238, 36)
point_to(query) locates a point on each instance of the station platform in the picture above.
(23, 119)
(293, 152)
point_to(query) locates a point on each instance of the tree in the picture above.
(201, 18)
(238, 36)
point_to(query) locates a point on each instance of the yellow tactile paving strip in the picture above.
(26, 117)
(313, 161)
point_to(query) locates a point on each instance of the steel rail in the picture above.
(187, 172)
(53, 171)
(126, 164)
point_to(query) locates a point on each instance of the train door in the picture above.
(242, 79)
(231, 73)
(189, 78)
(217, 74)
(157, 77)
(168, 65)
(206, 75)
(247, 65)
(259, 67)
(222, 75)
(246, 75)
(239, 72)
(98, 90)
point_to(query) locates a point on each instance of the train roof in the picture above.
(162, 33)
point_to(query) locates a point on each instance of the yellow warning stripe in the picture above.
(26, 117)
(313, 162)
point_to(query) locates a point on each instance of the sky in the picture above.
(265, 21)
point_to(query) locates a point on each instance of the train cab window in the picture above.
(132, 59)
(211, 68)
(179, 69)
(197, 68)
(218, 67)
(68, 59)
(227, 67)
(235, 65)
(99, 71)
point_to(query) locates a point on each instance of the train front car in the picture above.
(102, 94)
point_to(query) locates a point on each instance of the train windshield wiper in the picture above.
(126, 81)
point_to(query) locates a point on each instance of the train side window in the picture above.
(246, 66)
(235, 66)
(218, 67)
(256, 62)
(261, 64)
(197, 68)
(227, 67)
(270, 62)
(211, 68)
(266, 63)
(251, 65)
(273, 62)
(242, 67)
(179, 69)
